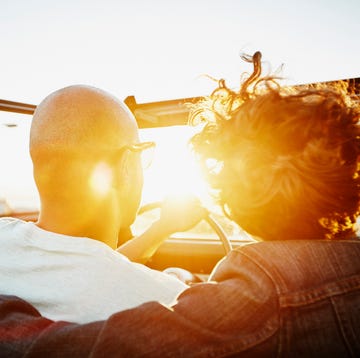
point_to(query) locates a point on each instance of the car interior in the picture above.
(172, 172)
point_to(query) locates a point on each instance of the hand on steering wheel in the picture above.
(176, 216)
(181, 216)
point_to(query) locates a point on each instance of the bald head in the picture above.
(81, 118)
(73, 131)
(74, 140)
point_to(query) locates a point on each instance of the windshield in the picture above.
(17, 186)
(172, 172)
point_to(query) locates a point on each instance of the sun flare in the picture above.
(174, 171)
(100, 179)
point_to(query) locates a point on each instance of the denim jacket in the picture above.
(269, 299)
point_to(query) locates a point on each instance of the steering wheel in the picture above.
(211, 221)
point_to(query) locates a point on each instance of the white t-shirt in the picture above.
(75, 279)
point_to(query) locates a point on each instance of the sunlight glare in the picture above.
(100, 179)
(174, 171)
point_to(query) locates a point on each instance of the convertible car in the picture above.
(171, 172)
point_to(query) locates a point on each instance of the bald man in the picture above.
(84, 145)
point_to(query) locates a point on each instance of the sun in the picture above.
(174, 171)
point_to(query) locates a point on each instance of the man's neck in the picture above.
(97, 223)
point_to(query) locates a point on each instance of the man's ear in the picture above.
(122, 172)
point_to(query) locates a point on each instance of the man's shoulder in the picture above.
(4, 221)
(9, 225)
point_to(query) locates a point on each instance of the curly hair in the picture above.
(284, 161)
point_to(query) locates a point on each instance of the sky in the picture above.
(160, 49)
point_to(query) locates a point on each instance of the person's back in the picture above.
(313, 307)
(75, 279)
